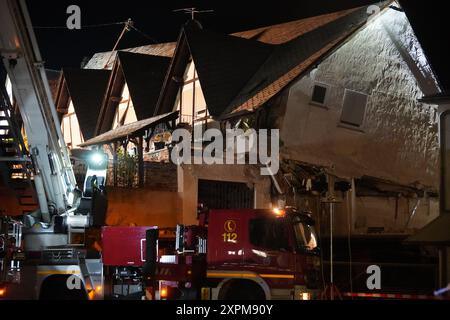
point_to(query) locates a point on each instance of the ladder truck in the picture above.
(44, 255)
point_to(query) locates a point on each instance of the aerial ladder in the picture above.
(63, 210)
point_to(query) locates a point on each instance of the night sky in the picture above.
(61, 47)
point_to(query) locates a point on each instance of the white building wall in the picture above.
(398, 140)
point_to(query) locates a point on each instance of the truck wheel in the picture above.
(241, 290)
(55, 288)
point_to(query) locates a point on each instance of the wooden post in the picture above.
(141, 161)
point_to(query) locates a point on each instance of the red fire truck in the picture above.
(230, 254)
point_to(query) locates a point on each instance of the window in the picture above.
(353, 108)
(70, 128)
(191, 102)
(319, 94)
(269, 233)
(125, 112)
(305, 236)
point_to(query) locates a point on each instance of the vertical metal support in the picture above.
(193, 112)
(331, 200)
(331, 250)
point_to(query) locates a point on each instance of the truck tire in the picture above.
(55, 288)
(241, 290)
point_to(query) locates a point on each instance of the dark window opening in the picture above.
(225, 195)
(319, 94)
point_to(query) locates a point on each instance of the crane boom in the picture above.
(53, 174)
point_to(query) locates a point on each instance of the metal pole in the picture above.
(331, 251)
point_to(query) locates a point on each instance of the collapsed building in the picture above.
(342, 88)
(343, 93)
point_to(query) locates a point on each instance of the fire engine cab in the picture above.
(231, 254)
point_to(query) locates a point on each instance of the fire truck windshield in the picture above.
(305, 236)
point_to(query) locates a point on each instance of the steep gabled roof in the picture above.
(291, 59)
(239, 75)
(86, 89)
(284, 32)
(274, 34)
(224, 64)
(144, 75)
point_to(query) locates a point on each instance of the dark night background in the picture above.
(62, 47)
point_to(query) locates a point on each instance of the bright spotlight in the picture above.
(97, 159)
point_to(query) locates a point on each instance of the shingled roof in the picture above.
(86, 89)
(105, 60)
(239, 73)
(284, 32)
(144, 75)
(224, 64)
(290, 59)
(130, 130)
(274, 34)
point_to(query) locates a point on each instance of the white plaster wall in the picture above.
(399, 138)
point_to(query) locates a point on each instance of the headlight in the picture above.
(97, 159)
(305, 296)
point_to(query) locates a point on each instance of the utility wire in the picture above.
(125, 29)
(83, 27)
(131, 26)
(143, 34)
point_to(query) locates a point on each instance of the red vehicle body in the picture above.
(124, 246)
(231, 254)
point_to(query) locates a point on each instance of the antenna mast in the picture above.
(192, 11)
